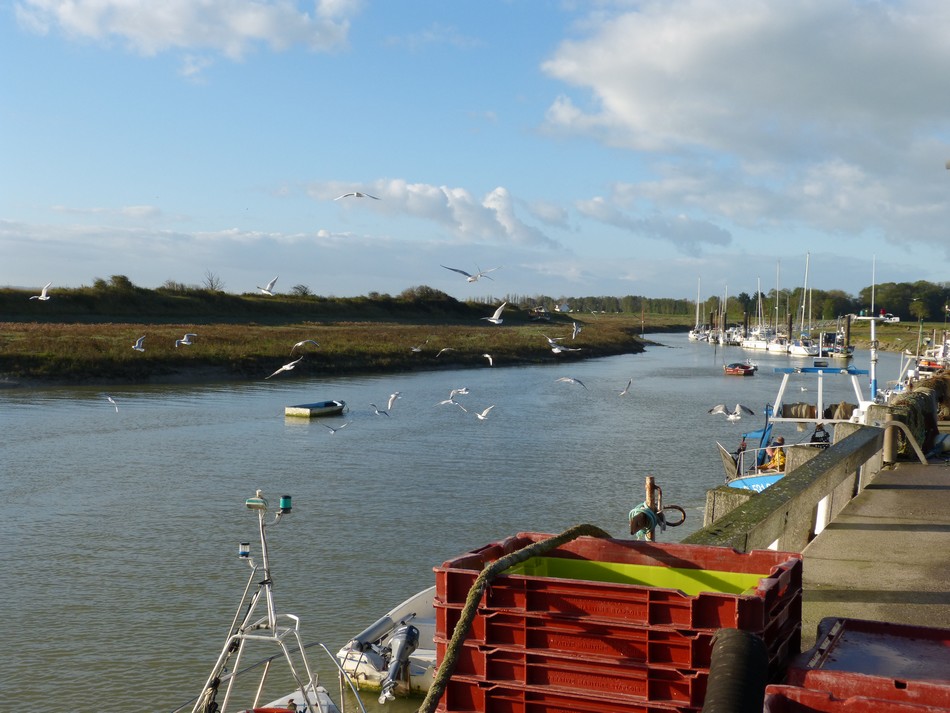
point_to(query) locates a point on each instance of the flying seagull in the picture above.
(356, 194)
(572, 380)
(186, 340)
(627, 387)
(286, 367)
(301, 343)
(418, 347)
(112, 401)
(444, 349)
(334, 430)
(378, 412)
(138, 344)
(576, 330)
(553, 341)
(732, 415)
(469, 277)
(269, 290)
(484, 414)
(496, 318)
(491, 362)
(558, 348)
(392, 399)
(42, 295)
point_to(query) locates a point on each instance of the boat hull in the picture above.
(738, 369)
(319, 408)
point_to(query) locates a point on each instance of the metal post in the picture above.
(651, 503)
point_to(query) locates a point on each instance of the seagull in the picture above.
(575, 331)
(463, 391)
(269, 290)
(732, 415)
(627, 387)
(558, 348)
(418, 348)
(42, 295)
(484, 414)
(138, 344)
(186, 340)
(286, 367)
(356, 194)
(572, 380)
(496, 318)
(450, 400)
(392, 399)
(378, 412)
(469, 277)
(301, 343)
(444, 349)
(112, 401)
(334, 430)
(553, 342)
(491, 362)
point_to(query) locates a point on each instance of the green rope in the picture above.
(470, 609)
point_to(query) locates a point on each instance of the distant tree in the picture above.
(121, 283)
(300, 291)
(173, 286)
(423, 292)
(918, 310)
(212, 282)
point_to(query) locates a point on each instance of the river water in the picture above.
(121, 527)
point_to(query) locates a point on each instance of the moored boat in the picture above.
(318, 408)
(740, 368)
(396, 654)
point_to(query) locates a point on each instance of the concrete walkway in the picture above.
(886, 557)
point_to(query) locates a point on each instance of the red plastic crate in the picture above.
(878, 660)
(630, 603)
(616, 677)
(465, 695)
(791, 699)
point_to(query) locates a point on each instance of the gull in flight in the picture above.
(552, 341)
(392, 399)
(450, 400)
(491, 362)
(484, 414)
(469, 277)
(138, 344)
(112, 401)
(378, 412)
(452, 394)
(732, 415)
(301, 343)
(186, 340)
(42, 295)
(269, 290)
(286, 367)
(418, 348)
(496, 318)
(356, 194)
(576, 330)
(558, 348)
(334, 430)
(572, 380)
(626, 388)
(444, 349)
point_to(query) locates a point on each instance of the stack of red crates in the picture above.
(860, 666)
(558, 645)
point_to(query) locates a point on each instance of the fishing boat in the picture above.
(318, 408)
(234, 684)
(740, 368)
(396, 654)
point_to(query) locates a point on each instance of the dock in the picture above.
(886, 555)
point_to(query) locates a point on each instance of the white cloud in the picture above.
(229, 27)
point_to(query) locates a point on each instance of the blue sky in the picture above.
(584, 148)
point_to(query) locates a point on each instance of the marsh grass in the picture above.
(102, 353)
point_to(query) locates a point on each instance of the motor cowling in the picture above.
(404, 641)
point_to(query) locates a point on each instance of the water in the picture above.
(122, 527)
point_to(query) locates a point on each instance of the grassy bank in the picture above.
(101, 353)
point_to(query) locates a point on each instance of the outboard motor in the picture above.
(404, 641)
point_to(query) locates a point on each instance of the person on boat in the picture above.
(291, 706)
(776, 454)
(737, 456)
(820, 438)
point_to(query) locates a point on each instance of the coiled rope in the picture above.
(470, 609)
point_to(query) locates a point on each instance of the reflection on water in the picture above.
(124, 526)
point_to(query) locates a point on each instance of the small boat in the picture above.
(396, 654)
(319, 408)
(739, 368)
(235, 684)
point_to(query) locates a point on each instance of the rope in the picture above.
(648, 518)
(470, 609)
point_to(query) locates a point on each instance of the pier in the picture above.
(874, 533)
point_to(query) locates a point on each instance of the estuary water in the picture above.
(121, 526)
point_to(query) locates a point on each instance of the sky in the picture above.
(662, 148)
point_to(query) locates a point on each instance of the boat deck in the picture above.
(886, 556)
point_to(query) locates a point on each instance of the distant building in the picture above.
(563, 308)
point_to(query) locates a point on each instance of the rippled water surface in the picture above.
(122, 527)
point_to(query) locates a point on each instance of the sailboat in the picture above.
(698, 333)
(804, 345)
(758, 337)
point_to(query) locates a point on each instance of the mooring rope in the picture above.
(535, 549)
